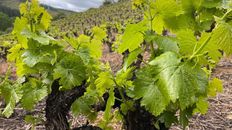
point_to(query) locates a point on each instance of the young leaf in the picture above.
(84, 105)
(201, 106)
(83, 39)
(187, 41)
(211, 4)
(215, 86)
(11, 97)
(20, 24)
(132, 37)
(184, 119)
(42, 38)
(104, 82)
(131, 58)
(222, 36)
(95, 48)
(168, 118)
(14, 51)
(164, 9)
(167, 8)
(166, 44)
(33, 92)
(99, 33)
(23, 69)
(42, 54)
(107, 113)
(71, 71)
(211, 49)
(46, 19)
(123, 77)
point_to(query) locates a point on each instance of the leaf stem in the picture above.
(226, 13)
(207, 40)
(152, 50)
(151, 30)
(200, 48)
(121, 93)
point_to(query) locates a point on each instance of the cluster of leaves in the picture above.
(40, 59)
(184, 37)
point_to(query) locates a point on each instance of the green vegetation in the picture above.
(9, 10)
(168, 87)
(110, 15)
(6, 21)
(10, 7)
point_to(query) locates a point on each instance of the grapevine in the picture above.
(185, 39)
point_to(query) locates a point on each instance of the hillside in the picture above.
(11, 8)
(115, 14)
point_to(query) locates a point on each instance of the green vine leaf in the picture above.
(201, 106)
(20, 24)
(33, 92)
(104, 82)
(166, 80)
(123, 77)
(99, 33)
(215, 85)
(162, 11)
(107, 113)
(211, 48)
(42, 38)
(166, 44)
(168, 118)
(184, 116)
(167, 8)
(133, 37)
(84, 105)
(211, 4)
(39, 54)
(189, 44)
(222, 37)
(95, 48)
(11, 96)
(14, 51)
(23, 69)
(131, 58)
(71, 71)
(187, 41)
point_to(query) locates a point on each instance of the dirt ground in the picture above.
(219, 116)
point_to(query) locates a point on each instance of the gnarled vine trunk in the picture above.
(58, 105)
(140, 119)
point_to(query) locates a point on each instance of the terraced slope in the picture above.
(113, 14)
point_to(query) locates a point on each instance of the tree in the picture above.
(106, 2)
(5, 21)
